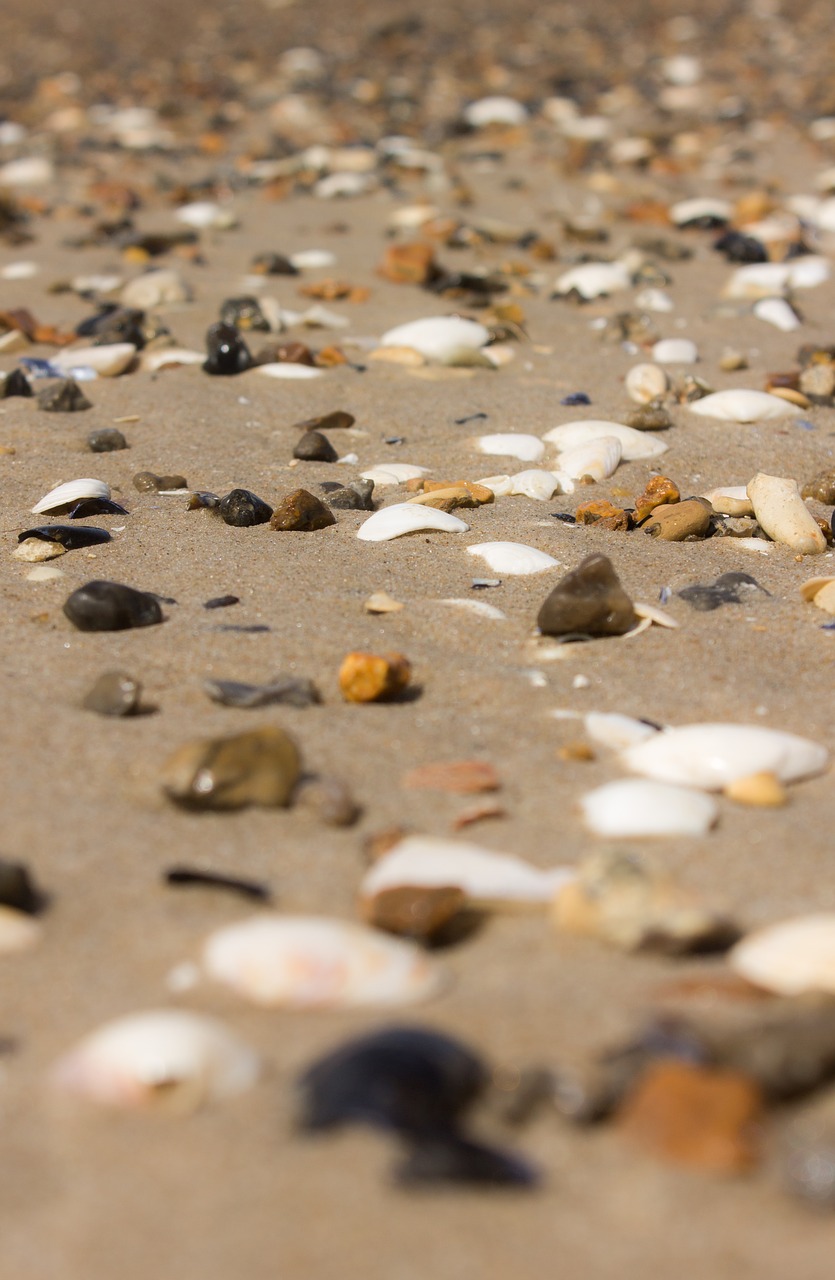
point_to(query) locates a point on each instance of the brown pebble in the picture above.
(603, 514)
(589, 600)
(372, 677)
(414, 911)
(458, 777)
(659, 491)
(680, 520)
(301, 510)
(408, 264)
(446, 499)
(649, 417)
(148, 482)
(759, 790)
(336, 420)
(694, 1116)
(260, 768)
(821, 487)
(329, 798)
(818, 381)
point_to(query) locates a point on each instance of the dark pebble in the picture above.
(336, 420)
(18, 890)
(110, 606)
(65, 396)
(221, 602)
(96, 507)
(588, 601)
(729, 588)
(576, 397)
(329, 798)
(192, 876)
(227, 353)
(70, 536)
(148, 482)
(457, 1159)
(273, 264)
(106, 440)
(473, 417)
(314, 447)
(356, 496)
(737, 247)
(244, 313)
(255, 629)
(301, 510)
(115, 324)
(292, 691)
(15, 384)
(242, 508)
(115, 693)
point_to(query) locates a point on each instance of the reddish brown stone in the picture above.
(415, 911)
(303, 511)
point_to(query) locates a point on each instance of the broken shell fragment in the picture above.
(784, 516)
(791, 957)
(444, 339)
(260, 767)
(645, 382)
(406, 517)
(640, 807)
(710, 756)
(18, 930)
(730, 501)
(820, 591)
(597, 458)
(108, 361)
(634, 444)
(513, 557)
(741, 405)
(165, 1058)
(509, 445)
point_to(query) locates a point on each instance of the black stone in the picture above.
(110, 606)
(106, 440)
(588, 601)
(729, 588)
(18, 890)
(737, 247)
(15, 384)
(70, 536)
(292, 691)
(242, 508)
(314, 447)
(115, 324)
(356, 496)
(65, 396)
(191, 876)
(244, 313)
(96, 507)
(576, 397)
(227, 353)
(221, 602)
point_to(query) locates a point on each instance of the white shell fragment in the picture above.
(169, 358)
(699, 207)
(479, 607)
(165, 1058)
(594, 280)
(18, 931)
(508, 445)
(205, 215)
(783, 514)
(733, 500)
(790, 958)
(639, 807)
(615, 730)
(310, 962)
(406, 517)
(287, 369)
(389, 473)
(634, 444)
(675, 351)
(779, 312)
(534, 483)
(66, 495)
(162, 287)
(597, 458)
(444, 339)
(709, 756)
(495, 110)
(644, 382)
(488, 879)
(741, 405)
(108, 361)
(512, 558)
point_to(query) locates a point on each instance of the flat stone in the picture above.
(257, 768)
(115, 693)
(149, 482)
(301, 510)
(588, 601)
(291, 691)
(242, 509)
(414, 911)
(110, 606)
(680, 520)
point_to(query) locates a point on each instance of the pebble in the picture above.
(588, 601)
(221, 602)
(18, 931)
(106, 440)
(301, 510)
(260, 767)
(155, 289)
(356, 496)
(729, 588)
(659, 490)
(420, 912)
(115, 693)
(241, 509)
(371, 677)
(110, 606)
(783, 515)
(762, 790)
(818, 382)
(315, 447)
(329, 798)
(603, 514)
(680, 521)
(15, 384)
(244, 313)
(148, 482)
(291, 691)
(650, 417)
(336, 420)
(228, 354)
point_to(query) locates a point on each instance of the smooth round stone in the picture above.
(588, 601)
(301, 510)
(148, 482)
(315, 447)
(115, 693)
(110, 606)
(227, 353)
(260, 768)
(106, 440)
(242, 508)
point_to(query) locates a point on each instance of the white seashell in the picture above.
(169, 358)
(784, 516)
(586, 128)
(18, 931)
(312, 259)
(66, 495)
(479, 607)
(759, 545)
(634, 444)
(166, 1057)
(412, 217)
(488, 879)
(654, 300)
(108, 361)
(820, 591)
(19, 270)
(507, 445)
(162, 287)
(639, 807)
(675, 351)
(97, 283)
(808, 272)
(28, 171)
(594, 280)
(597, 458)
(406, 517)
(513, 557)
(310, 962)
(564, 482)
(205, 215)
(612, 729)
(709, 756)
(631, 151)
(499, 354)
(285, 369)
(445, 339)
(700, 207)
(730, 501)
(501, 486)
(741, 405)
(541, 485)
(317, 317)
(652, 614)
(758, 280)
(792, 957)
(44, 573)
(645, 382)
(387, 473)
(778, 312)
(495, 110)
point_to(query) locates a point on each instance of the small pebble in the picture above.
(115, 693)
(315, 447)
(148, 482)
(241, 509)
(370, 677)
(221, 602)
(356, 496)
(588, 601)
(301, 510)
(329, 798)
(680, 521)
(228, 354)
(106, 440)
(256, 768)
(110, 606)
(65, 396)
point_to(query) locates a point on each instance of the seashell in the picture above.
(311, 962)
(286, 369)
(675, 351)
(19, 271)
(758, 280)
(495, 110)
(645, 382)
(821, 591)
(108, 361)
(18, 930)
(541, 485)
(501, 486)
(513, 557)
(779, 312)
(68, 494)
(653, 616)
(169, 358)
(27, 171)
(405, 517)
(167, 1058)
(792, 957)
(488, 879)
(634, 444)
(654, 300)
(640, 807)
(444, 339)
(312, 259)
(479, 607)
(730, 501)
(205, 215)
(597, 458)
(741, 405)
(809, 271)
(783, 515)
(507, 445)
(388, 473)
(700, 209)
(593, 280)
(709, 756)
(615, 730)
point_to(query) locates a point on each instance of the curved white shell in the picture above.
(534, 483)
(311, 962)
(66, 495)
(709, 756)
(286, 369)
(446, 339)
(495, 110)
(389, 473)
(792, 957)
(204, 215)
(487, 878)
(779, 312)
(639, 807)
(406, 517)
(732, 500)
(513, 557)
(163, 1057)
(508, 445)
(654, 300)
(741, 405)
(615, 730)
(169, 357)
(644, 382)
(597, 458)
(820, 591)
(700, 207)
(108, 361)
(675, 351)
(500, 485)
(312, 259)
(634, 444)
(783, 514)
(18, 930)
(594, 279)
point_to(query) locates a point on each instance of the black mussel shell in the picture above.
(70, 536)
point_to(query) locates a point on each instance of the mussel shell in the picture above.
(69, 536)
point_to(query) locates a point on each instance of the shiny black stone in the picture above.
(15, 384)
(242, 508)
(106, 440)
(227, 353)
(110, 606)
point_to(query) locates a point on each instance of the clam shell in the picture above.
(541, 485)
(513, 557)
(108, 361)
(698, 207)
(390, 473)
(501, 486)
(639, 807)
(790, 958)
(779, 312)
(66, 495)
(783, 514)
(488, 879)
(597, 458)
(444, 339)
(675, 351)
(495, 110)
(634, 444)
(508, 445)
(644, 382)
(310, 962)
(741, 405)
(204, 215)
(612, 729)
(478, 607)
(165, 1057)
(709, 756)
(594, 280)
(406, 517)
